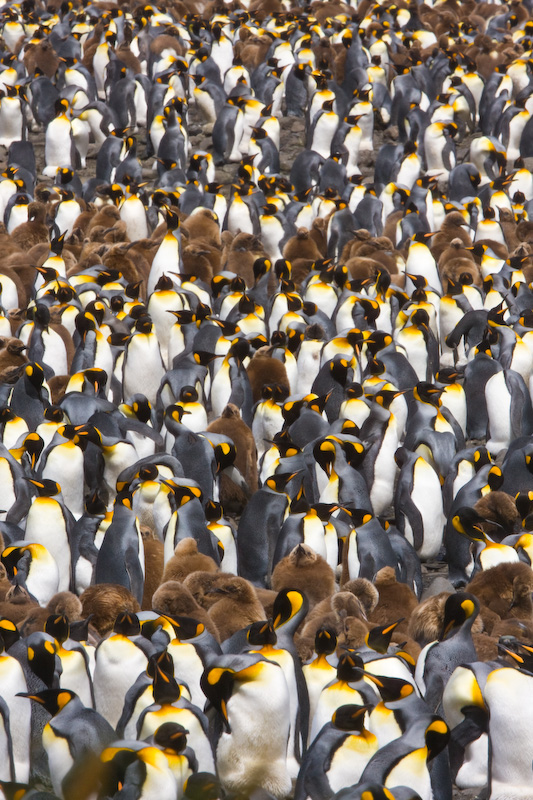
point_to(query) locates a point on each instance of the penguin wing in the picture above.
(312, 780)
(135, 572)
(411, 512)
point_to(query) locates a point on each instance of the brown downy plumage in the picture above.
(202, 584)
(505, 589)
(175, 599)
(237, 607)
(395, 600)
(264, 370)
(187, 559)
(230, 424)
(153, 566)
(104, 601)
(307, 571)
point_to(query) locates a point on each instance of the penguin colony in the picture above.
(237, 423)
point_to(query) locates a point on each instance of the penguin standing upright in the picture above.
(121, 556)
(252, 698)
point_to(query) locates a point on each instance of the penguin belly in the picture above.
(45, 525)
(412, 771)
(498, 401)
(57, 146)
(350, 759)
(59, 758)
(427, 497)
(13, 681)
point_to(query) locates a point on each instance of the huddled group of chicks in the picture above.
(266, 356)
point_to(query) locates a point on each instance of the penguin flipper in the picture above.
(412, 513)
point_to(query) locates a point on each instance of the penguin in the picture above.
(123, 536)
(16, 737)
(60, 150)
(111, 679)
(438, 660)
(50, 523)
(251, 697)
(33, 568)
(72, 739)
(338, 754)
(418, 504)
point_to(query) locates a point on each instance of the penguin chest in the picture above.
(59, 758)
(412, 771)
(58, 145)
(11, 120)
(350, 759)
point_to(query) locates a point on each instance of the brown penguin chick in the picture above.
(203, 226)
(253, 50)
(128, 58)
(202, 585)
(521, 629)
(353, 634)
(264, 370)
(319, 234)
(116, 258)
(41, 56)
(365, 591)
(301, 246)
(5, 583)
(524, 231)
(360, 268)
(396, 600)
(17, 604)
(187, 559)
(12, 352)
(104, 601)
(237, 607)
(461, 271)
(307, 571)
(105, 217)
(153, 566)
(455, 249)
(240, 255)
(425, 624)
(486, 646)
(35, 230)
(331, 611)
(166, 42)
(58, 386)
(175, 599)
(453, 227)
(66, 603)
(505, 589)
(197, 263)
(230, 424)
(501, 508)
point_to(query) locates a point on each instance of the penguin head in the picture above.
(350, 717)
(42, 657)
(171, 736)
(426, 392)
(458, 609)
(127, 624)
(9, 633)
(53, 700)
(202, 786)
(260, 634)
(325, 641)
(289, 604)
(350, 668)
(45, 487)
(58, 626)
(379, 638)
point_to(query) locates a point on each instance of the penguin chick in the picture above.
(505, 589)
(501, 508)
(153, 566)
(331, 613)
(17, 605)
(264, 370)
(306, 570)
(395, 600)
(237, 608)
(187, 559)
(104, 601)
(175, 599)
(365, 591)
(201, 585)
(426, 620)
(230, 424)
